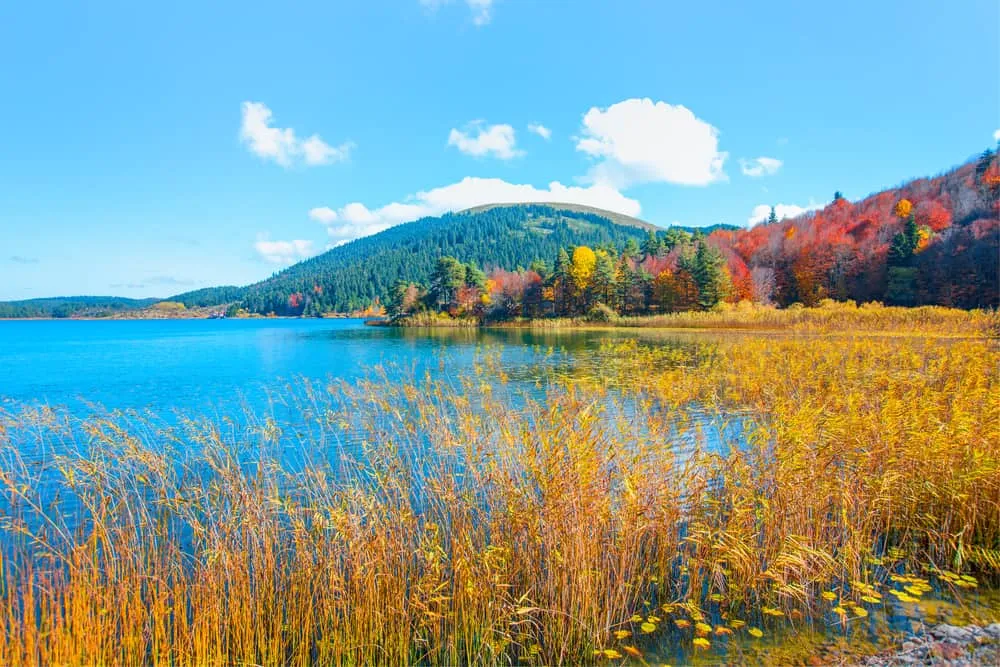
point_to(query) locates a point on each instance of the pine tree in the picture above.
(772, 218)
(604, 278)
(709, 274)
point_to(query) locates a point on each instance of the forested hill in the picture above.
(67, 306)
(350, 277)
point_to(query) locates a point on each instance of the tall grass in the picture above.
(471, 525)
(829, 317)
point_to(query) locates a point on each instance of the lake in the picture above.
(167, 365)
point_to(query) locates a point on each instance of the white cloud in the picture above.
(323, 214)
(760, 166)
(540, 130)
(641, 141)
(496, 140)
(356, 220)
(761, 212)
(281, 144)
(482, 10)
(283, 252)
(996, 135)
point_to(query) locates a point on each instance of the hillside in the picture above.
(66, 306)
(928, 241)
(350, 277)
(617, 218)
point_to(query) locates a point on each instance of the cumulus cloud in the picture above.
(323, 214)
(283, 252)
(641, 141)
(482, 10)
(761, 212)
(996, 135)
(540, 130)
(356, 220)
(760, 166)
(476, 140)
(281, 144)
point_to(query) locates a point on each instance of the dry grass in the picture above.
(829, 317)
(474, 526)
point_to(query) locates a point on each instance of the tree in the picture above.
(632, 249)
(709, 276)
(582, 267)
(448, 277)
(904, 244)
(604, 278)
(651, 246)
(837, 196)
(772, 218)
(474, 277)
(561, 281)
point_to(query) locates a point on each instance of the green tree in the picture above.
(448, 277)
(709, 274)
(474, 277)
(604, 278)
(772, 218)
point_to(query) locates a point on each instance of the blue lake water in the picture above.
(183, 364)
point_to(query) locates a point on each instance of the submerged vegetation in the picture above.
(703, 497)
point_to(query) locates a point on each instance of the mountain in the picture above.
(352, 276)
(617, 218)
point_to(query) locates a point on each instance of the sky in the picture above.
(147, 149)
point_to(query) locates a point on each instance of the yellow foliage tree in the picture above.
(581, 269)
(903, 208)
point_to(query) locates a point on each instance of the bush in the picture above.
(601, 313)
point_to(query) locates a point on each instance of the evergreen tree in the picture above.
(709, 274)
(772, 218)
(632, 249)
(474, 277)
(604, 278)
(651, 246)
(448, 277)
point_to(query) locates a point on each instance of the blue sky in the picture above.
(150, 149)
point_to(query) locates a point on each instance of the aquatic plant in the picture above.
(456, 521)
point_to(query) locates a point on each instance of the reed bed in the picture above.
(459, 521)
(829, 317)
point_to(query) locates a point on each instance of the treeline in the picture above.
(78, 306)
(674, 271)
(352, 277)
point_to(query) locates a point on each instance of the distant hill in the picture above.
(617, 218)
(66, 306)
(350, 277)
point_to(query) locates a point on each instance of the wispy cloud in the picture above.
(281, 144)
(482, 10)
(20, 259)
(283, 252)
(760, 166)
(540, 130)
(155, 281)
